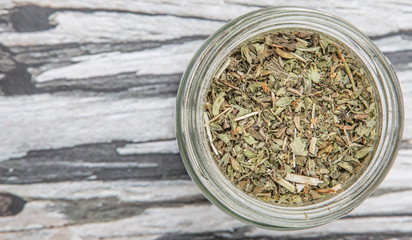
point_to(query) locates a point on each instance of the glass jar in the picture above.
(193, 143)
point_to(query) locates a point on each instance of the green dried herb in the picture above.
(298, 147)
(291, 117)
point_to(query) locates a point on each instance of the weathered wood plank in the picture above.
(165, 60)
(91, 163)
(79, 27)
(383, 16)
(192, 219)
(64, 120)
(124, 191)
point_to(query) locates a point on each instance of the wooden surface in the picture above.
(87, 121)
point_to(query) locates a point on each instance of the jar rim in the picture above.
(258, 212)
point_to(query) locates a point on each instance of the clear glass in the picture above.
(194, 147)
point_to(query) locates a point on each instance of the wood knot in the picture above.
(10, 204)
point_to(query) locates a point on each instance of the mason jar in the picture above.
(193, 143)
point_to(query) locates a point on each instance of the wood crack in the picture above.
(391, 34)
(90, 162)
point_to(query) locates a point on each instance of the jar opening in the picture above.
(192, 135)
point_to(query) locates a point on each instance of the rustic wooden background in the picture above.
(87, 120)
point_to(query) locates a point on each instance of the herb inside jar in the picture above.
(291, 117)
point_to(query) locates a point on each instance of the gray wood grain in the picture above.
(87, 94)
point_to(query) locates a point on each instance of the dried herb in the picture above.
(291, 117)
